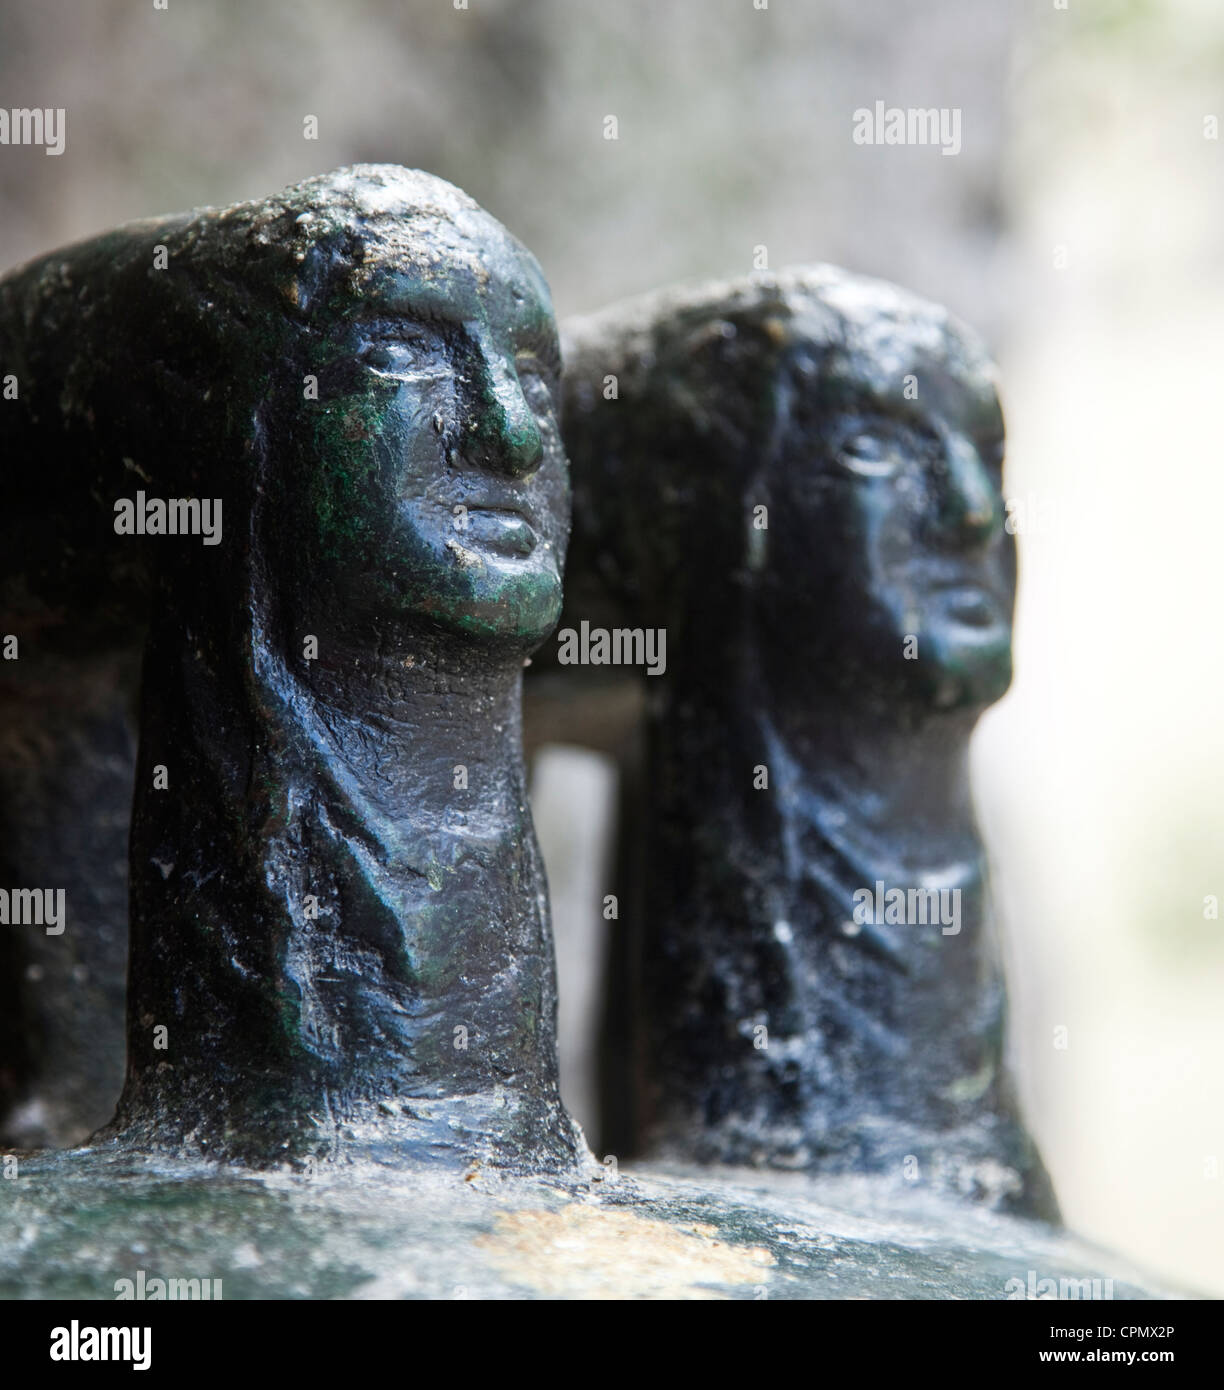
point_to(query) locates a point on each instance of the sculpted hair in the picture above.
(684, 434)
(187, 380)
(145, 357)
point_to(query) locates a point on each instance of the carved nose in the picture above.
(970, 508)
(511, 437)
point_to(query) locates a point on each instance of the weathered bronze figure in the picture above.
(798, 477)
(344, 397)
(297, 463)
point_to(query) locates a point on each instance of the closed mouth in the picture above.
(972, 604)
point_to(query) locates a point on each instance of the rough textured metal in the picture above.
(798, 478)
(339, 927)
(340, 943)
(76, 1225)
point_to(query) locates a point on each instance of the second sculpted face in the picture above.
(440, 487)
(892, 519)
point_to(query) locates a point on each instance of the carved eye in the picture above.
(405, 352)
(874, 445)
(378, 355)
(870, 455)
(534, 379)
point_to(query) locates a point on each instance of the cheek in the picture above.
(839, 531)
(895, 525)
(549, 493)
(413, 438)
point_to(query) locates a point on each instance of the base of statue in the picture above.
(106, 1224)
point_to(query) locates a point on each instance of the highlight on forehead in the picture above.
(338, 233)
(819, 304)
(888, 346)
(883, 352)
(381, 198)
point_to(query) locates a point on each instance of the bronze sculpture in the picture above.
(797, 477)
(339, 925)
(304, 452)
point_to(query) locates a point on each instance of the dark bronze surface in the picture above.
(339, 923)
(798, 479)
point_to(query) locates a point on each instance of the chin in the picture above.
(521, 609)
(969, 674)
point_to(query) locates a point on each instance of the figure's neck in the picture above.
(378, 936)
(374, 710)
(390, 681)
(879, 782)
(754, 918)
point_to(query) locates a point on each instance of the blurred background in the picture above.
(1077, 227)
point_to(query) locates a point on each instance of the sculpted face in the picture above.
(440, 487)
(888, 513)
